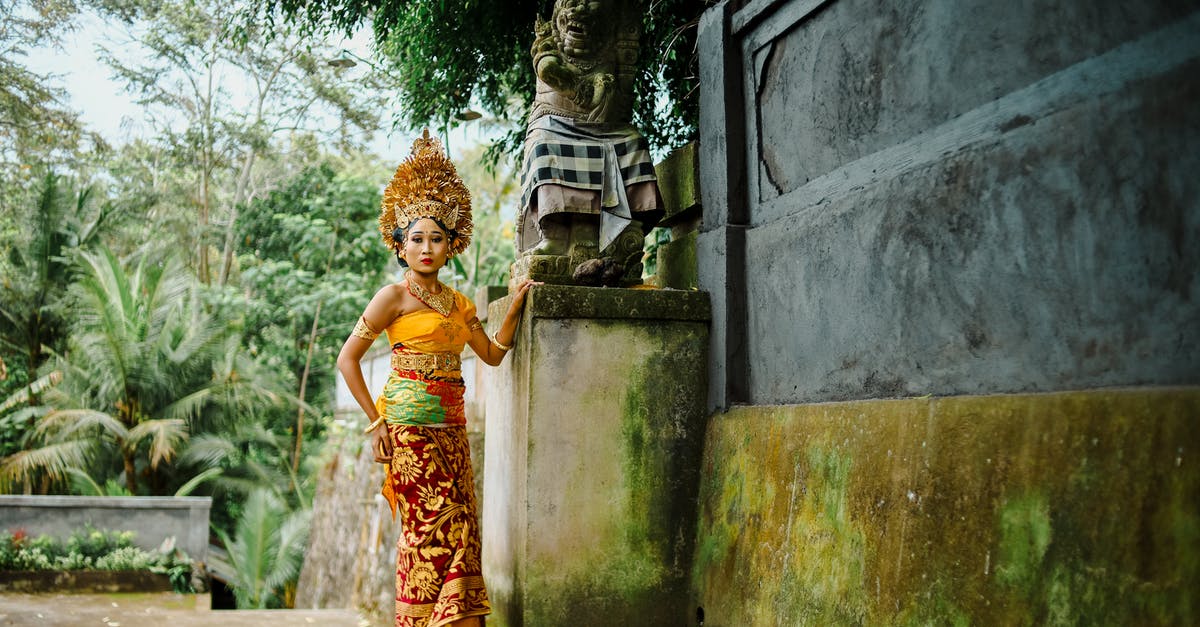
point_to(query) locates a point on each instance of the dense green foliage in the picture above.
(310, 259)
(267, 552)
(451, 56)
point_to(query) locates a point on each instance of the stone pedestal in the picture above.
(595, 425)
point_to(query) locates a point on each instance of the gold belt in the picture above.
(426, 361)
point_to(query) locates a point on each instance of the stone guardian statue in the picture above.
(589, 192)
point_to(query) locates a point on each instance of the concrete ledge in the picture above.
(571, 301)
(82, 581)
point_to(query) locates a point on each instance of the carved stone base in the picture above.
(559, 270)
(579, 240)
(552, 269)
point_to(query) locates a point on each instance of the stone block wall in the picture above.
(950, 197)
(351, 557)
(952, 247)
(595, 423)
(1070, 508)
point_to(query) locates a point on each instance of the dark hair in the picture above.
(399, 233)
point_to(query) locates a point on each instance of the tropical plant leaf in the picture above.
(164, 435)
(53, 460)
(65, 423)
(289, 552)
(38, 386)
(84, 484)
(195, 482)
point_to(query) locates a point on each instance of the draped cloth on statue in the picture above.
(610, 162)
(429, 480)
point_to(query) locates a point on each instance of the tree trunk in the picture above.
(130, 471)
(231, 228)
(312, 340)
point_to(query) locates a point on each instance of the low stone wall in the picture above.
(1063, 508)
(153, 519)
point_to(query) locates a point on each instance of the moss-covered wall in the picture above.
(1063, 509)
(595, 427)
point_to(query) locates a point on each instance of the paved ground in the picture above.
(154, 610)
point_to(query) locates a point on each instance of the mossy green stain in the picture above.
(824, 576)
(647, 551)
(1025, 535)
(1070, 508)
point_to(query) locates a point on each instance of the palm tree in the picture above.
(36, 272)
(268, 551)
(145, 368)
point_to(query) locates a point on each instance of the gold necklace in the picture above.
(442, 302)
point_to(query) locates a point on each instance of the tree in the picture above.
(310, 258)
(450, 55)
(35, 125)
(144, 369)
(35, 272)
(193, 52)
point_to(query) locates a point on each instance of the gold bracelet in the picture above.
(378, 421)
(499, 345)
(364, 330)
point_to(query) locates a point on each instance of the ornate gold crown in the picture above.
(426, 185)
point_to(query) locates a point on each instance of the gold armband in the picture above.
(475, 325)
(364, 330)
(501, 346)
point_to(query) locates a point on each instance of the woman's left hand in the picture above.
(518, 300)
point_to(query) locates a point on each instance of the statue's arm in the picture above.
(557, 74)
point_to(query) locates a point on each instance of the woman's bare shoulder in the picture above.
(395, 298)
(391, 290)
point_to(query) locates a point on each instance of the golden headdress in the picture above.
(426, 185)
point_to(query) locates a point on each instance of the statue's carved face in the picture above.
(580, 26)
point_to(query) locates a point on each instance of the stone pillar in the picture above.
(595, 426)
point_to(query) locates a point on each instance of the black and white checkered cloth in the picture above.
(557, 151)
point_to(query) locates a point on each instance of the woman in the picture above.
(417, 424)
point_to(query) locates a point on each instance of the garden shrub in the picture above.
(93, 549)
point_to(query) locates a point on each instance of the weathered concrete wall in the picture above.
(1063, 508)
(595, 424)
(950, 197)
(959, 199)
(153, 519)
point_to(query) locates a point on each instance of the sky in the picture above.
(107, 110)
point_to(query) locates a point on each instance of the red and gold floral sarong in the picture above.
(438, 570)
